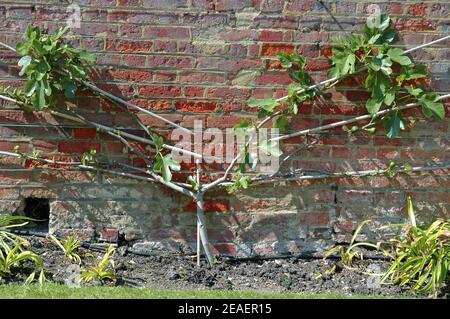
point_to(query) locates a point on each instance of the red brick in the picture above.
(414, 154)
(387, 153)
(116, 147)
(169, 61)
(338, 109)
(77, 147)
(23, 147)
(223, 121)
(159, 91)
(85, 133)
(357, 95)
(360, 196)
(129, 46)
(134, 60)
(201, 77)
(166, 32)
(317, 65)
(165, 46)
(343, 226)
(196, 106)
(153, 122)
(273, 65)
(300, 6)
(418, 9)
(109, 234)
(386, 7)
(274, 79)
(342, 152)
(194, 91)
(380, 181)
(13, 178)
(236, 65)
(300, 123)
(274, 49)
(166, 76)
(224, 249)
(414, 25)
(326, 52)
(229, 93)
(364, 153)
(270, 36)
(130, 75)
(12, 116)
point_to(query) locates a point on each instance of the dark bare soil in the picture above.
(294, 275)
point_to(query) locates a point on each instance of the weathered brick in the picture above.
(414, 25)
(169, 61)
(418, 9)
(159, 91)
(130, 75)
(274, 49)
(109, 235)
(274, 79)
(129, 46)
(228, 93)
(85, 133)
(225, 5)
(387, 153)
(196, 106)
(271, 36)
(201, 77)
(272, 6)
(166, 4)
(166, 32)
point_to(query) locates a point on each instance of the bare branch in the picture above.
(340, 174)
(351, 120)
(111, 129)
(118, 99)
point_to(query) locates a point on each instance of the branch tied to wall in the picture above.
(55, 72)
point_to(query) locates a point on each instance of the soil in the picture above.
(291, 275)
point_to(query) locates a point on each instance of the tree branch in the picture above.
(111, 129)
(351, 120)
(340, 174)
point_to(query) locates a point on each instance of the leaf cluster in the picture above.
(100, 270)
(164, 164)
(422, 256)
(69, 246)
(13, 249)
(51, 66)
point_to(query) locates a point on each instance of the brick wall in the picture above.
(202, 59)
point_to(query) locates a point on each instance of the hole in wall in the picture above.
(37, 208)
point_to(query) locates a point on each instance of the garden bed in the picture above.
(292, 275)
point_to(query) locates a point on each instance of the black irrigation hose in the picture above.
(228, 258)
(84, 244)
(232, 259)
